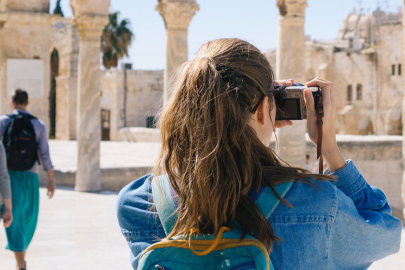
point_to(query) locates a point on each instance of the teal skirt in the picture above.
(25, 200)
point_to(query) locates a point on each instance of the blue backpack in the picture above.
(225, 251)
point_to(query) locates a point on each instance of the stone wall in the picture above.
(26, 36)
(25, 5)
(354, 70)
(65, 38)
(144, 97)
(390, 87)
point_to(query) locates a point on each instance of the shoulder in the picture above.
(4, 118)
(39, 125)
(37, 121)
(135, 205)
(311, 203)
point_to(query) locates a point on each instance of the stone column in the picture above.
(290, 64)
(88, 102)
(177, 16)
(403, 121)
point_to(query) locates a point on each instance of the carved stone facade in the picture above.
(177, 16)
(292, 8)
(90, 27)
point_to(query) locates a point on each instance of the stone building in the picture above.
(140, 105)
(25, 49)
(28, 36)
(365, 64)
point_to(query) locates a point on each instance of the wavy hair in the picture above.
(212, 156)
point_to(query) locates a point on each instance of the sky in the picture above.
(254, 21)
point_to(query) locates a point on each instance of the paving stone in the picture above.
(80, 231)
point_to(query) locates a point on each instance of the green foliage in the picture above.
(58, 9)
(115, 40)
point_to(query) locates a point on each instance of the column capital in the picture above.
(292, 8)
(91, 26)
(177, 15)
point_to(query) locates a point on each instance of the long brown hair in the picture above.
(211, 155)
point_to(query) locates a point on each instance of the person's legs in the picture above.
(25, 199)
(20, 258)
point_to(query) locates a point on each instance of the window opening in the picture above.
(359, 92)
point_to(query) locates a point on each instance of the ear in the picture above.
(262, 112)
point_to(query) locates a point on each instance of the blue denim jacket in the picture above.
(345, 224)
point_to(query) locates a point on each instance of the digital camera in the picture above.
(290, 101)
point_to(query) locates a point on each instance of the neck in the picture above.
(20, 108)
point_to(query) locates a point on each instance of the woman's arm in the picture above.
(8, 213)
(363, 230)
(137, 217)
(330, 150)
(5, 190)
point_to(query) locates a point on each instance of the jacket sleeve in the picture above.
(5, 191)
(137, 217)
(42, 143)
(363, 230)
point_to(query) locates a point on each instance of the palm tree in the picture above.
(115, 40)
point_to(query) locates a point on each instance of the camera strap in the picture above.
(319, 123)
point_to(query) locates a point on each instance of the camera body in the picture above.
(290, 101)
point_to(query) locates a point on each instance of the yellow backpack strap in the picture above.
(214, 244)
(164, 203)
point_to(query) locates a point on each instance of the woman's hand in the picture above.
(7, 218)
(283, 123)
(51, 188)
(330, 150)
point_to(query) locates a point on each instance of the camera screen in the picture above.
(289, 109)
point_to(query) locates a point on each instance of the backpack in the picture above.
(225, 251)
(20, 142)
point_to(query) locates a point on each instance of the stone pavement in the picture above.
(75, 231)
(80, 231)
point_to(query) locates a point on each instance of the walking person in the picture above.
(216, 170)
(5, 192)
(24, 136)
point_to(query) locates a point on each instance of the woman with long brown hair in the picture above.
(215, 134)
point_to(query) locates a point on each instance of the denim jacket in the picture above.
(345, 224)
